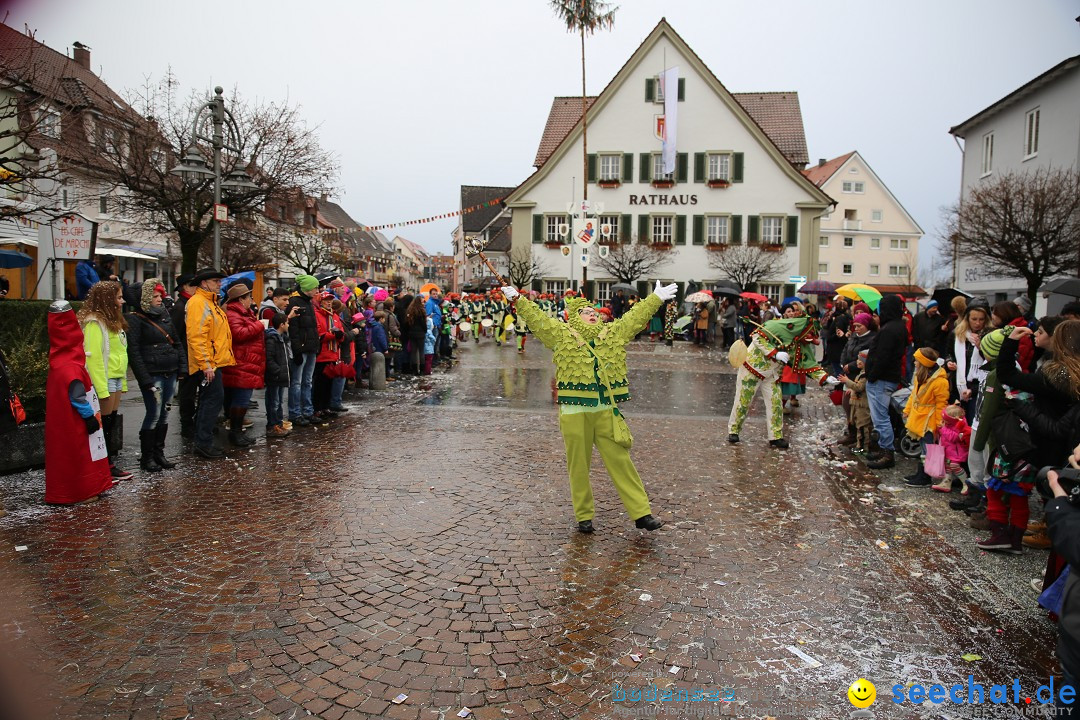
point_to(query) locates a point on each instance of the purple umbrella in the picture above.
(818, 287)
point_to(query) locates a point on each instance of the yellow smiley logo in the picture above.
(862, 693)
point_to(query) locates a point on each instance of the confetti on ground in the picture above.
(810, 662)
(21, 548)
(971, 657)
(464, 712)
(882, 544)
(400, 699)
(635, 657)
(645, 597)
(674, 669)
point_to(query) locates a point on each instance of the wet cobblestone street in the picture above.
(426, 545)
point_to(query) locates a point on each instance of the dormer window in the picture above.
(48, 121)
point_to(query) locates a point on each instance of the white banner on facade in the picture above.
(669, 81)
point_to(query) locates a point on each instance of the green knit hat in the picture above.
(990, 345)
(307, 282)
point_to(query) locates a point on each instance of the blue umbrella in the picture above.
(12, 259)
(789, 300)
(248, 276)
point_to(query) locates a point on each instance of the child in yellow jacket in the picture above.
(922, 414)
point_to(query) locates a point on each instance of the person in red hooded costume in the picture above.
(76, 459)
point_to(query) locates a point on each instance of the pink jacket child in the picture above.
(955, 435)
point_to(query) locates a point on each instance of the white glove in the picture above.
(781, 357)
(666, 292)
(831, 381)
(509, 293)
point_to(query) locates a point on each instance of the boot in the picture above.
(885, 460)
(972, 498)
(108, 427)
(1016, 539)
(160, 433)
(146, 445)
(852, 436)
(979, 521)
(1000, 539)
(919, 479)
(236, 428)
(944, 486)
(1038, 540)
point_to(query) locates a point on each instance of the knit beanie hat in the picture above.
(307, 282)
(990, 345)
(863, 319)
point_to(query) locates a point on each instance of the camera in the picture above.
(1068, 479)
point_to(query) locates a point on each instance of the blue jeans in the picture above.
(275, 396)
(879, 393)
(211, 397)
(156, 398)
(303, 371)
(337, 387)
(240, 397)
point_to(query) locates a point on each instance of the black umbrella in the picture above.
(726, 287)
(1063, 286)
(11, 259)
(944, 296)
(624, 287)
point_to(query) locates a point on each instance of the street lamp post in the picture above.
(193, 166)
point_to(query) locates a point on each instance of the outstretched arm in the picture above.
(547, 330)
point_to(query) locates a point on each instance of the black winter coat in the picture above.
(1053, 417)
(277, 358)
(852, 348)
(1063, 526)
(834, 346)
(303, 330)
(153, 347)
(178, 314)
(887, 351)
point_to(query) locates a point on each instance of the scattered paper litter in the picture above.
(464, 712)
(719, 582)
(21, 548)
(674, 669)
(882, 544)
(635, 657)
(971, 657)
(645, 597)
(400, 699)
(810, 662)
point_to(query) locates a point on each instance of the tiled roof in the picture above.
(55, 75)
(777, 113)
(363, 240)
(500, 231)
(820, 173)
(563, 116)
(417, 250)
(478, 194)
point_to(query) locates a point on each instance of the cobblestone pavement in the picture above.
(426, 546)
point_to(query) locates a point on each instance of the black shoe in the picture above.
(118, 474)
(975, 509)
(970, 500)
(339, 410)
(779, 443)
(585, 526)
(302, 421)
(187, 431)
(240, 439)
(648, 522)
(160, 433)
(209, 452)
(886, 460)
(920, 480)
(733, 438)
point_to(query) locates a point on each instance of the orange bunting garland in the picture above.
(421, 221)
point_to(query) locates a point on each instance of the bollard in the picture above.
(377, 378)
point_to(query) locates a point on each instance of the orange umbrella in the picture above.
(429, 287)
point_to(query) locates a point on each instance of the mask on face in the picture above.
(573, 307)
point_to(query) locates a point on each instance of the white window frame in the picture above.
(772, 291)
(823, 268)
(612, 220)
(875, 269)
(823, 241)
(875, 243)
(846, 186)
(772, 236)
(607, 159)
(661, 226)
(555, 286)
(658, 95)
(603, 290)
(721, 170)
(1031, 133)
(898, 271)
(849, 242)
(551, 228)
(987, 154)
(859, 187)
(103, 204)
(658, 166)
(899, 244)
(847, 269)
(717, 229)
(48, 122)
(876, 216)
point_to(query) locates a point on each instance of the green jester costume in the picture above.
(784, 341)
(590, 361)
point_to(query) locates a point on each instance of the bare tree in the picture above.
(1025, 224)
(137, 150)
(748, 264)
(524, 267)
(243, 247)
(626, 262)
(311, 253)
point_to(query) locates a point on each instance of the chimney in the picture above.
(323, 198)
(82, 54)
(821, 161)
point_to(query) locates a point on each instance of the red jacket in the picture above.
(1026, 354)
(248, 346)
(327, 323)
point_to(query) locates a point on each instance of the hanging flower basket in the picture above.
(609, 183)
(771, 247)
(553, 245)
(718, 183)
(662, 245)
(663, 183)
(716, 247)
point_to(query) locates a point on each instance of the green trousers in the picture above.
(580, 432)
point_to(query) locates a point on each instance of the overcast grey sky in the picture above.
(418, 97)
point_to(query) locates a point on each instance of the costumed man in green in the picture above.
(590, 362)
(774, 344)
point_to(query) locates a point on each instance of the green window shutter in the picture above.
(650, 89)
(643, 289)
(682, 89)
(680, 229)
(736, 167)
(537, 284)
(628, 167)
(753, 232)
(538, 229)
(643, 228)
(789, 290)
(699, 167)
(592, 167)
(645, 169)
(736, 229)
(624, 227)
(681, 292)
(792, 239)
(681, 162)
(699, 230)
(589, 286)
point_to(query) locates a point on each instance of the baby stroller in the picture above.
(906, 445)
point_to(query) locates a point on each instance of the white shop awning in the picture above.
(122, 252)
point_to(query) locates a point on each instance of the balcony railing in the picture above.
(853, 224)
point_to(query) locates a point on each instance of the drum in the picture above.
(486, 323)
(464, 326)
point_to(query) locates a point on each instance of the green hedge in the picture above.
(24, 338)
